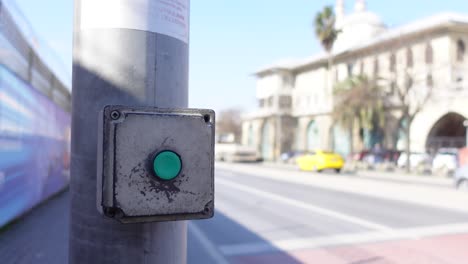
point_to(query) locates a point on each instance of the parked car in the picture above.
(461, 178)
(235, 153)
(445, 162)
(392, 156)
(360, 156)
(418, 160)
(382, 158)
(320, 160)
(290, 156)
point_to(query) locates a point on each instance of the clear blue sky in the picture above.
(232, 38)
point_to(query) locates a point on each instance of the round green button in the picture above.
(167, 165)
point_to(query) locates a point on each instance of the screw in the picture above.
(207, 118)
(115, 115)
(109, 211)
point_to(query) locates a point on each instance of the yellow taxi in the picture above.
(320, 160)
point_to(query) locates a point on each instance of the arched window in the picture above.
(270, 101)
(350, 67)
(392, 63)
(261, 103)
(429, 54)
(376, 68)
(460, 50)
(250, 136)
(408, 82)
(409, 58)
(392, 88)
(313, 138)
(429, 81)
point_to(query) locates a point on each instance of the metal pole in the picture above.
(466, 137)
(115, 61)
(465, 124)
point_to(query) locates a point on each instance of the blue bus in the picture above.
(34, 123)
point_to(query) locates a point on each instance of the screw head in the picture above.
(115, 115)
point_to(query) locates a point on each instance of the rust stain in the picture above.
(169, 188)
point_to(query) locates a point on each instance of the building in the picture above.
(295, 98)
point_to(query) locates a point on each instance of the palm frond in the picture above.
(325, 30)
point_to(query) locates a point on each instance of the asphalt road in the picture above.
(259, 220)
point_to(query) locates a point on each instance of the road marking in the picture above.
(412, 194)
(209, 247)
(335, 240)
(306, 206)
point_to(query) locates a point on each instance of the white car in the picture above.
(417, 159)
(445, 162)
(460, 178)
(232, 152)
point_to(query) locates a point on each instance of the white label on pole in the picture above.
(167, 17)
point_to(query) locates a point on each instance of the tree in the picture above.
(327, 34)
(229, 122)
(411, 99)
(359, 99)
(325, 30)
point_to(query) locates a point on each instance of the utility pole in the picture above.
(465, 124)
(131, 53)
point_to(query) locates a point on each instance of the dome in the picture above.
(365, 17)
(357, 27)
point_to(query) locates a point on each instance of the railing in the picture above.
(21, 55)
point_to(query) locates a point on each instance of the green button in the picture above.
(167, 165)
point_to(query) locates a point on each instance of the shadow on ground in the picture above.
(221, 231)
(41, 237)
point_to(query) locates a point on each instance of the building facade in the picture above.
(295, 98)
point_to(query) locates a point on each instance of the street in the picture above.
(260, 219)
(268, 221)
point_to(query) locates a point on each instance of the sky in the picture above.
(231, 39)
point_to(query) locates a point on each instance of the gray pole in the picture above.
(126, 66)
(465, 124)
(466, 136)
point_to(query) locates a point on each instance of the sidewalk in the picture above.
(429, 180)
(40, 236)
(396, 176)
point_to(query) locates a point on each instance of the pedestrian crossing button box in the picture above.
(155, 164)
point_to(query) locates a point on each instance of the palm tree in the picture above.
(325, 28)
(359, 99)
(326, 33)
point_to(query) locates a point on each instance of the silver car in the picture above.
(461, 178)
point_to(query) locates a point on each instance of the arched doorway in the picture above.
(267, 146)
(447, 132)
(341, 141)
(312, 136)
(250, 136)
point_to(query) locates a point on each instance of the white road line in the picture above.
(209, 247)
(375, 236)
(307, 206)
